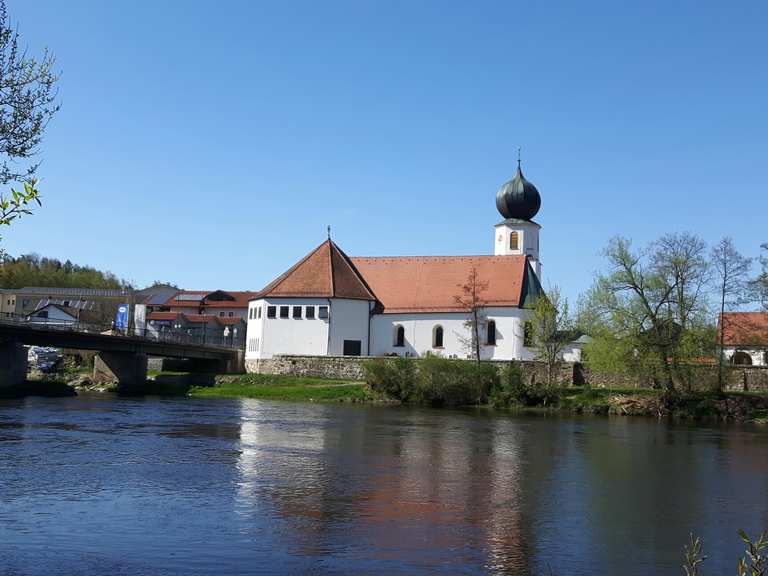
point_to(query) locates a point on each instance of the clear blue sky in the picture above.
(210, 143)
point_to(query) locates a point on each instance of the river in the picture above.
(106, 485)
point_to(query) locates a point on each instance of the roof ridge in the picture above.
(281, 278)
(435, 257)
(331, 246)
(352, 268)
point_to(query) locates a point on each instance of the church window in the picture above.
(399, 336)
(322, 312)
(284, 311)
(437, 337)
(297, 312)
(528, 334)
(310, 314)
(490, 333)
(514, 241)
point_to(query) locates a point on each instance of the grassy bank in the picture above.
(437, 381)
(736, 406)
(294, 388)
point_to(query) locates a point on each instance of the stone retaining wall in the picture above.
(702, 378)
(351, 368)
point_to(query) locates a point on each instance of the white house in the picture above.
(745, 337)
(331, 304)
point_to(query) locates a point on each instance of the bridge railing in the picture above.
(189, 336)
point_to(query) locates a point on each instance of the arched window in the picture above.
(741, 359)
(514, 241)
(437, 337)
(490, 333)
(399, 336)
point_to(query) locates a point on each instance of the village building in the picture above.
(745, 337)
(330, 304)
(221, 303)
(202, 328)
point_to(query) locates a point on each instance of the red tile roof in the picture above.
(241, 299)
(163, 315)
(745, 328)
(431, 283)
(230, 319)
(326, 272)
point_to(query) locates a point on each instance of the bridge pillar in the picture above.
(128, 368)
(13, 363)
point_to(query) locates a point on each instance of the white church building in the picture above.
(330, 304)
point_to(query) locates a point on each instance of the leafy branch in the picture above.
(19, 203)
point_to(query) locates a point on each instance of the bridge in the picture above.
(122, 355)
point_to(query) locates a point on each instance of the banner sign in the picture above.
(121, 317)
(139, 319)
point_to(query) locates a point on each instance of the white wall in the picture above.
(528, 243)
(419, 329)
(349, 321)
(287, 335)
(757, 354)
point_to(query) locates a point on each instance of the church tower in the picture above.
(518, 201)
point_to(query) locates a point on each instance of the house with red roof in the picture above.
(221, 303)
(331, 304)
(745, 337)
(204, 328)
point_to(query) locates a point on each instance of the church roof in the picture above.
(431, 283)
(326, 272)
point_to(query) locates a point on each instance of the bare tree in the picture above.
(470, 300)
(758, 287)
(551, 324)
(648, 295)
(731, 273)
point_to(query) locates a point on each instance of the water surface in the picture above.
(104, 485)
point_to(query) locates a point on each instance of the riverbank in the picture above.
(732, 406)
(294, 388)
(729, 406)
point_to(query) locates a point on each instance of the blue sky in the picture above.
(210, 144)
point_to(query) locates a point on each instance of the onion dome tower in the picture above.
(518, 201)
(518, 198)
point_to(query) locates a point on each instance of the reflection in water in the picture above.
(94, 485)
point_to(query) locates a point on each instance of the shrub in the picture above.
(433, 380)
(444, 382)
(394, 378)
(512, 390)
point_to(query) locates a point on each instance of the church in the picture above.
(331, 304)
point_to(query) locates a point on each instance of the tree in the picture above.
(731, 271)
(551, 325)
(758, 287)
(653, 301)
(470, 300)
(27, 103)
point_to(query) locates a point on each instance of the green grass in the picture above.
(294, 388)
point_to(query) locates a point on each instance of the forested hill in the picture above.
(34, 270)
